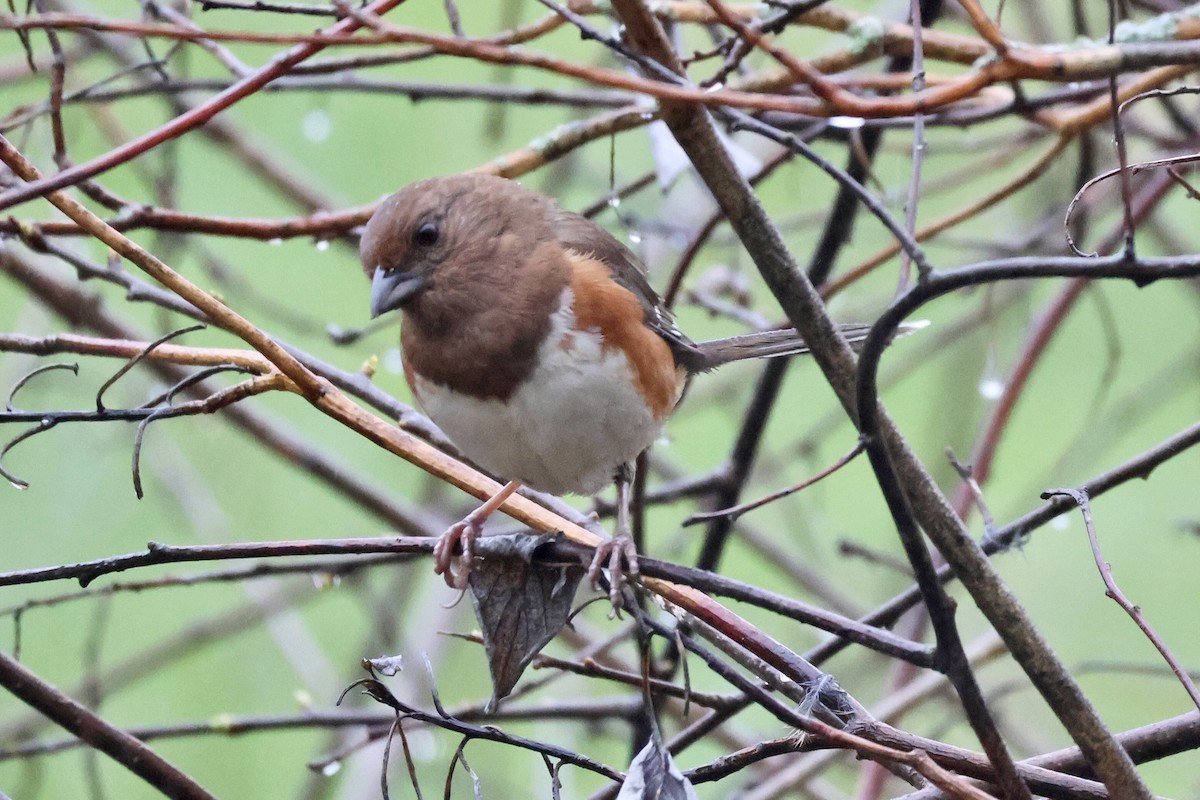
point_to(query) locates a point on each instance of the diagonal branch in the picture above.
(695, 132)
(186, 121)
(128, 751)
(328, 399)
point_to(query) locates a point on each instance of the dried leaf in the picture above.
(521, 604)
(654, 776)
(387, 666)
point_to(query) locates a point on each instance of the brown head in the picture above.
(473, 263)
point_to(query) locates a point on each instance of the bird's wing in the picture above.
(584, 236)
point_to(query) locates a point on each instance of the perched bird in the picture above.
(532, 337)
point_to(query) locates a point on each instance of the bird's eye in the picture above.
(427, 234)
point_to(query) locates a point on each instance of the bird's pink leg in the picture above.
(618, 554)
(463, 534)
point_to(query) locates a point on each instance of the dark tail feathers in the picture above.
(769, 344)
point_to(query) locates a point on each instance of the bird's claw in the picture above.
(619, 556)
(455, 568)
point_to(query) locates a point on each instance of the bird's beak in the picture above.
(390, 290)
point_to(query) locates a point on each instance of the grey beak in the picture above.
(390, 291)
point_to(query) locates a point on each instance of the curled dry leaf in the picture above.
(387, 666)
(654, 776)
(521, 603)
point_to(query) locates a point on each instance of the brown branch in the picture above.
(1159, 127)
(184, 122)
(331, 224)
(1148, 743)
(125, 749)
(329, 400)
(56, 344)
(1017, 63)
(695, 134)
(158, 553)
(83, 310)
(970, 211)
(736, 511)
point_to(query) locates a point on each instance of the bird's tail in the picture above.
(770, 344)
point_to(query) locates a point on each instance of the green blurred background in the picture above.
(1120, 376)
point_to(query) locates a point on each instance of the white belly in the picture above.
(565, 430)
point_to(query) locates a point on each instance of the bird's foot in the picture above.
(619, 556)
(455, 568)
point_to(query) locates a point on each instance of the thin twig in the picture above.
(1114, 591)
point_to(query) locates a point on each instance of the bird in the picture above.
(532, 337)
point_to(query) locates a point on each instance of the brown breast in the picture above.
(478, 329)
